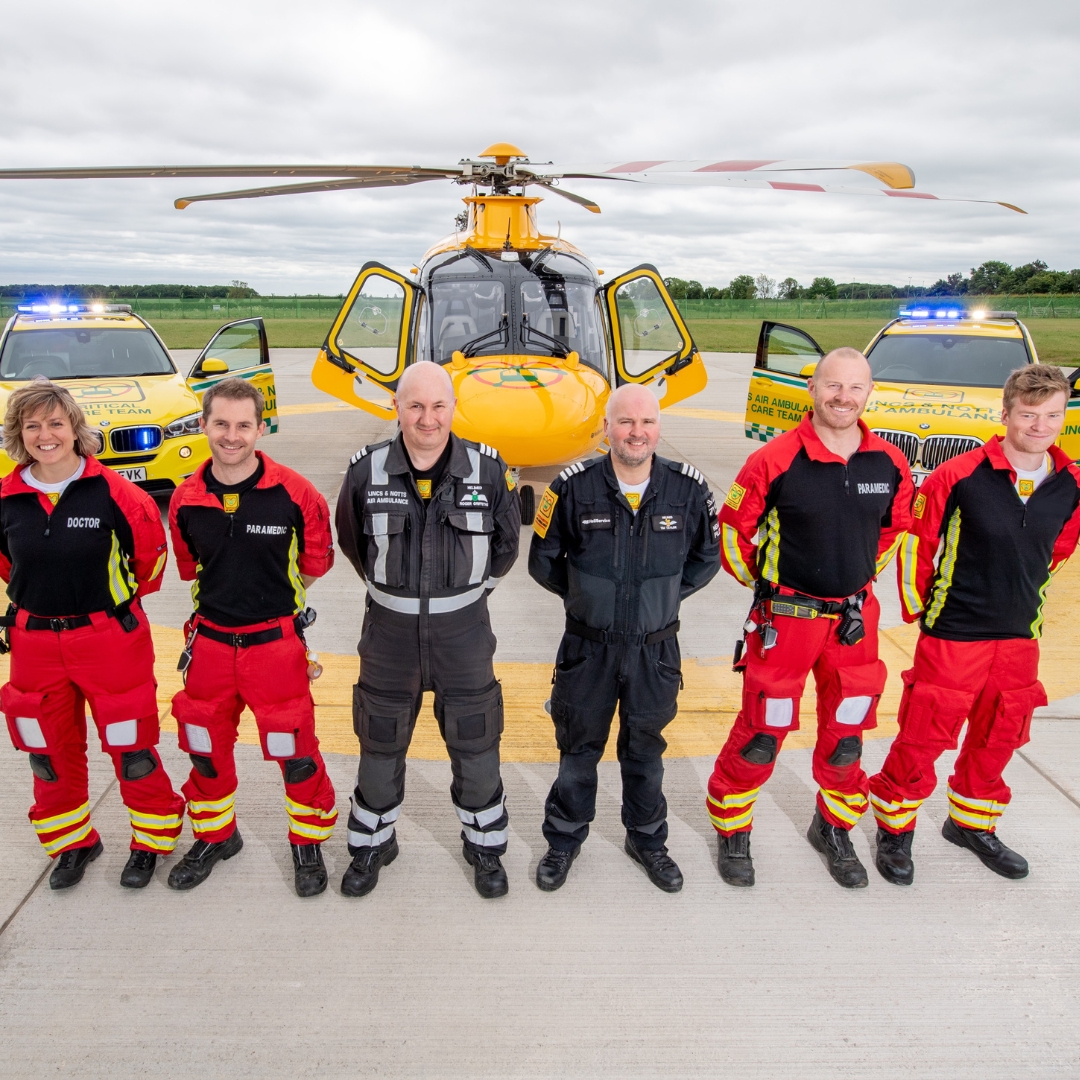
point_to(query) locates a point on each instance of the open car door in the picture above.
(650, 341)
(369, 343)
(778, 398)
(238, 349)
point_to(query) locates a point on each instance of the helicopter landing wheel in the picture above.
(528, 504)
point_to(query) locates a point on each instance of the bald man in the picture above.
(810, 521)
(431, 523)
(623, 540)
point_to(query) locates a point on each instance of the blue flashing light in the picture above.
(146, 438)
(933, 312)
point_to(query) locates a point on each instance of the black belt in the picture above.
(241, 641)
(620, 637)
(122, 614)
(804, 607)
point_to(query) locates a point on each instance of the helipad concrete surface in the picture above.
(962, 975)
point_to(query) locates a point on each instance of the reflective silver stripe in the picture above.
(440, 605)
(483, 839)
(363, 839)
(379, 524)
(474, 461)
(482, 818)
(378, 467)
(492, 581)
(474, 522)
(370, 820)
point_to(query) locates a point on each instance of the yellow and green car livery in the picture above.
(938, 374)
(121, 374)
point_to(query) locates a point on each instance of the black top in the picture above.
(427, 480)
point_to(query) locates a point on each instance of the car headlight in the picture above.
(186, 425)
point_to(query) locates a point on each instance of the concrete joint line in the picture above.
(1046, 776)
(41, 877)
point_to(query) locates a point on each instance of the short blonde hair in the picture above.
(42, 396)
(1035, 384)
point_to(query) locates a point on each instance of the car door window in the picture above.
(239, 346)
(787, 350)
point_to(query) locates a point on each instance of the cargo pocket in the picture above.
(127, 721)
(202, 727)
(932, 715)
(287, 728)
(472, 723)
(1012, 716)
(383, 722)
(861, 686)
(469, 538)
(23, 712)
(388, 561)
(771, 697)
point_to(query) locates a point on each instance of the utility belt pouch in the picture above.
(303, 620)
(7, 620)
(127, 618)
(851, 630)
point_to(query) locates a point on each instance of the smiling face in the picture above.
(632, 425)
(1032, 429)
(840, 387)
(232, 429)
(425, 409)
(49, 437)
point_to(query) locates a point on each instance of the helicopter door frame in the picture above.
(667, 365)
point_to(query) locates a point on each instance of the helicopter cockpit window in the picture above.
(468, 316)
(372, 330)
(560, 316)
(648, 333)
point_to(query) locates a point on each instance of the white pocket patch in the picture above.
(30, 731)
(853, 710)
(779, 711)
(280, 744)
(198, 738)
(122, 732)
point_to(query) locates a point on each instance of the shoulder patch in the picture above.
(688, 470)
(735, 496)
(362, 452)
(489, 450)
(542, 520)
(511, 483)
(919, 508)
(570, 470)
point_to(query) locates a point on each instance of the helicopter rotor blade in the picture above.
(386, 180)
(579, 199)
(126, 172)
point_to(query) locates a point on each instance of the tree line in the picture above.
(236, 290)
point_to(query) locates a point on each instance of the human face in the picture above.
(840, 390)
(1032, 429)
(634, 428)
(49, 439)
(425, 410)
(232, 430)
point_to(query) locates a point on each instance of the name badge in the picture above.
(667, 522)
(472, 496)
(596, 521)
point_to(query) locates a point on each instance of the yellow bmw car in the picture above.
(122, 375)
(938, 374)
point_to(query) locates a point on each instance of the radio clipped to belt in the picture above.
(7, 620)
(763, 591)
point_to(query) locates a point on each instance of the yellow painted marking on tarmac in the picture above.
(705, 414)
(312, 407)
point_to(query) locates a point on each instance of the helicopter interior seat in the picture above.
(557, 323)
(454, 332)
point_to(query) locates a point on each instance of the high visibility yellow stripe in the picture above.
(734, 555)
(154, 821)
(909, 565)
(883, 559)
(771, 571)
(989, 805)
(296, 809)
(299, 592)
(1037, 625)
(158, 843)
(983, 822)
(896, 814)
(741, 798)
(159, 565)
(947, 568)
(732, 824)
(53, 846)
(892, 807)
(314, 832)
(121, 580)
(201, 825)
(195, 586)
(848, 808)
(209, 807)
(73, 817)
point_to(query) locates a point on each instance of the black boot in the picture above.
(661, 868)
(363, 873)
(139, 869)
(71, 865)
(991, 851)
(893, 858)
(309, 869)
(835, 844)
(194, 868)
(553, 868)
(489, 877)
(733, 858)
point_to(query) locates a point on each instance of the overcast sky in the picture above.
(980, 99)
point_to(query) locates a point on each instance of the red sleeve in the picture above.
(900, 518)
(186, 561)
(318, 554)
(1064, 546)
(739, 519)
(147, 534)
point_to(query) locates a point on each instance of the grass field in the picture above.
(1058, 340)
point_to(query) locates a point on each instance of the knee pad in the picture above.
(135, 764)
(472, 723)
(41, 767)
(848, 751)
(204, 766)
(760, 750)
(299, 769)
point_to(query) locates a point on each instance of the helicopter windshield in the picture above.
(483, 306)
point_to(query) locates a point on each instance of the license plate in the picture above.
(132, 474)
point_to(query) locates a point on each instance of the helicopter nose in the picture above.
(534, 411)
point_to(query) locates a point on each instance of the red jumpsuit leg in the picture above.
(207, 715)
(272, 679)
(939, 692)
(850, 680)
(772, 687)
(1000, 722)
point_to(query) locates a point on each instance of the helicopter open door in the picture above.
(651, 342)
(369, 343)
(238, 349)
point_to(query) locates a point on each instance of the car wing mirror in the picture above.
(807, 370)
(213, 366)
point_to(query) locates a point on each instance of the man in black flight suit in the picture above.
(431, 523)
(623, 540)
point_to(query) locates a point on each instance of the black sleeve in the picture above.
(703, 558)
(349, 517)
(507, 514)
(547, 554)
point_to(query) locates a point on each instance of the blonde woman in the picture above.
(79, 546)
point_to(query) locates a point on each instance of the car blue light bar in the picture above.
(56, 307)
(930, 311)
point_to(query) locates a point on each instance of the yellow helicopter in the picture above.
(532, 338)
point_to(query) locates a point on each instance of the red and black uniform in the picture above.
(75, 573)
(974, 570)
(246, 546)
(808, 531)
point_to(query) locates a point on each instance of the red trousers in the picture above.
(849, 680)
(271, 679)
(53, 675)
(994, 685)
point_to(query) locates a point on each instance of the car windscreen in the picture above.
(947, 359)
(82, 353)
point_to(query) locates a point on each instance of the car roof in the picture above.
(1001, 328)
(90, 320)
